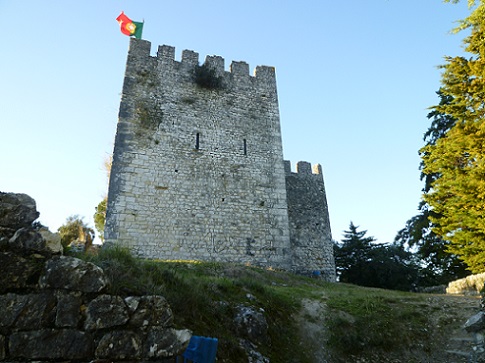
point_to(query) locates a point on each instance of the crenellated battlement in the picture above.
(303, 168)
(140, 49)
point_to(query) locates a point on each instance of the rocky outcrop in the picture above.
(475, 326)
(252, 327)
(470, 345)
(56, 308)
(251, 324)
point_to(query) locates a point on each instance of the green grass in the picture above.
(368, 320)
(204, 295)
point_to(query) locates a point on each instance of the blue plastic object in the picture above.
(201, 350)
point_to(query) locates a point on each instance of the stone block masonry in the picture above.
(57, 308)
(310, 233)
(198, 169)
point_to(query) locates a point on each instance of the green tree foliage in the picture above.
(455, 163)
(100, 217)
(360, 261)
(352, 254)
(74, 229)
(437, 265)
(441, 123)
(100, 214)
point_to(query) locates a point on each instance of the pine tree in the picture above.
(362, 262)
(352, 256)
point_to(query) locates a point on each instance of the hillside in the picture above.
(262, 315)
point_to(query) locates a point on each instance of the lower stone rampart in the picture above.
(56, 308)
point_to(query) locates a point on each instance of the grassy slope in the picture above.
(352, 321)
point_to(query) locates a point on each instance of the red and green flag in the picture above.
(129, 27)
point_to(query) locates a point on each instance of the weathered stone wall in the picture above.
(198, 169)
(310, 232)
(55, 308)
(470, 285)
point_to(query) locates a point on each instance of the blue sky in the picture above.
(355, 79)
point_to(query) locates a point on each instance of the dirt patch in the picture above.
(311, 319)
(447, 314)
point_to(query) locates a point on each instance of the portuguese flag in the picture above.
(129, 27)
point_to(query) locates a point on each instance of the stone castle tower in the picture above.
(198, 170)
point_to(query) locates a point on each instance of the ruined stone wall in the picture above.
(198, 164)
(470, 285)
(309, 222)
(56, 308)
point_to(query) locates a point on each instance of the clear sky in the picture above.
(355, 79)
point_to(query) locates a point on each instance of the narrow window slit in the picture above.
(245, 148)
(197, 141)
